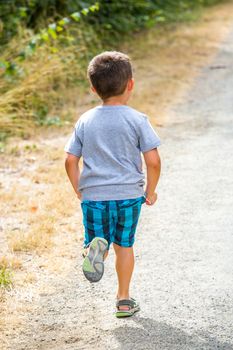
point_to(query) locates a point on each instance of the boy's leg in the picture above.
(124, 268)
(128, 212)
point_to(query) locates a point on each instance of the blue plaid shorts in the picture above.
(114, 220)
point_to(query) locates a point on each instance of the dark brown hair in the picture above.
(109, 73)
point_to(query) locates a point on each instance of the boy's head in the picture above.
(109, 73)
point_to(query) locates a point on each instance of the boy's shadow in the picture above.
(151, 335)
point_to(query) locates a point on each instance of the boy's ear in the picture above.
(130, 84)
(93, 89)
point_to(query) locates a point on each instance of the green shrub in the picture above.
(114, 16)
(46, 45)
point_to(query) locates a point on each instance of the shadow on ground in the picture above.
(151, 335)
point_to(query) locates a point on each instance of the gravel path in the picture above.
(183, 277)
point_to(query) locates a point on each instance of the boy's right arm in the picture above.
(153, 165)
(73, 172)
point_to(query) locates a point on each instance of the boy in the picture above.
(111, 138)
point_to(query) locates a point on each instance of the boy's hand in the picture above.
(151, 199)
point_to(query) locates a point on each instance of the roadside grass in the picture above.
(38, 212)
(37, 239)
(26, 102)
(168, 59)
(44, 85)
(8, 264)
(5, 277)
(42, 221)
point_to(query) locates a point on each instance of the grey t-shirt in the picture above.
(110, 139)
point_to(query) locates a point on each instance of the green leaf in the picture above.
(52, 30)
(52, 34)
(63, 21)
(59, 29)
(85, 11)
(76, 16)
(23, 12)
(94, 7)
(4, 64)
(53, 26)
(11, 69)
(44, 36)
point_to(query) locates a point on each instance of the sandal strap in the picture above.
(126, 302)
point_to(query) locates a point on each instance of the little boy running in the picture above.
(111, 138)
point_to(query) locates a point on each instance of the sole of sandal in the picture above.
(93, 264)
(121, 314)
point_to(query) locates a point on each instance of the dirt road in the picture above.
(183, 277)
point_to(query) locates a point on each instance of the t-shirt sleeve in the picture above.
(148, 139)
(75, 142)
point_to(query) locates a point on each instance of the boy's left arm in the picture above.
(73, 172)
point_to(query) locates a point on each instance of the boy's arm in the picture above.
(73, 172)
(153, 165)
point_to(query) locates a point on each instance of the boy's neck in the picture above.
(116, 101)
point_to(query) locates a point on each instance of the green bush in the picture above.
(45, 47)
(116, 17)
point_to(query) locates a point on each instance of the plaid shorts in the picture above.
(114, 220)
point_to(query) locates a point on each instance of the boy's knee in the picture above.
(122, 249)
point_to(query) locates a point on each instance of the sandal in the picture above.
(93, 264)
(132, 305)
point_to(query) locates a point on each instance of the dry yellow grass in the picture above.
(37, 239)
(42, 75)
(167, 60)
(15, 104)
(37, 204)
(29, 278)
(10, 261)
